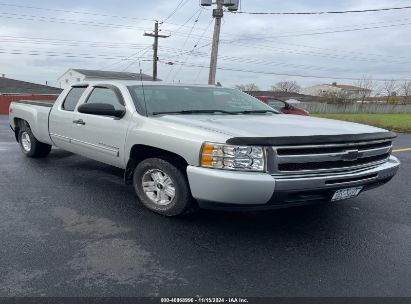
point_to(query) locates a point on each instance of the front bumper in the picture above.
(249, 190)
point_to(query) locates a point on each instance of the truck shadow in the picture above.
(108, 181)
(304, 218)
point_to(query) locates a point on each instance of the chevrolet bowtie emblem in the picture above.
(350, 155)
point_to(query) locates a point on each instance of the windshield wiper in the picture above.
(194, 112)
(255, 111)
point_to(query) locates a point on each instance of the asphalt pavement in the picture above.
(70, 227)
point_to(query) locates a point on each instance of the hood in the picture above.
(269, 125)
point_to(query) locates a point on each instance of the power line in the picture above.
(179, 51)
(187, 21)
(119, 16)
(201, 68)
(97, 14)
(255, 61)
(190, 53)
(346, 51)
(137, 59)
(288, 74)
(83, 13)
(109, 57)
(44, 52)
(127, 58)
(179, 6)
(114, 45)
(305, 30)
(73, 12)
(323, 12)
(94, 44)
(111, 25)
(67, 42)
(316, 54)
(79, 22)
(71, 43)
(312, 53)
(273, 63)
(68, 21)
(324, 32)
(59, 54)
(185, 41)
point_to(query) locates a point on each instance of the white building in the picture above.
(322, 89)
(73, 76)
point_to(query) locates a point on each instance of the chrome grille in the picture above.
(330, 157)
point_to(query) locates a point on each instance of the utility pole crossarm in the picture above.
(153, 35)
(156, 35)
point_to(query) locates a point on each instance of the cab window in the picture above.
(72, 98)
(107, 96)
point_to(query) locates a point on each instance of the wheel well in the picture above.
(18, 125)
(139, 153)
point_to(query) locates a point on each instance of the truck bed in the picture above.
(36, 114)
(41, 103)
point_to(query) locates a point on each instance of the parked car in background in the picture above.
(282, 106)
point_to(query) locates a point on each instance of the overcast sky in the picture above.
(39, 45)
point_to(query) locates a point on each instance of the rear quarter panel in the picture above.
(36, 116)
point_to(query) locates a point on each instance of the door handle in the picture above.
(79, 122)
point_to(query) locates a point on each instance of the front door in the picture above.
(102, 137)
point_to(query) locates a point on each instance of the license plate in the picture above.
(346, 193)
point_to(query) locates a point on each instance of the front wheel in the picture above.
(162, 187)
(30, 146)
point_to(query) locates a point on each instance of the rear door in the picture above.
(102, 137)
(61, 118)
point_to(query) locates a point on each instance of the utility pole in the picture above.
(155, 47)
(218, 13)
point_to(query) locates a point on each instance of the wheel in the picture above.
(30, 146)
(162, 186)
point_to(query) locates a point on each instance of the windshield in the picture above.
(161, 99)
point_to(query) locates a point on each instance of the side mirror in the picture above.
(100, 109)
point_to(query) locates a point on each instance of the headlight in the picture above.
(220, 156)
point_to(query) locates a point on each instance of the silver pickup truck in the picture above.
(183, 146)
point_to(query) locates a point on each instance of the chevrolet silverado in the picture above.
(184, 146)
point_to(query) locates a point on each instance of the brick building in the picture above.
(12, 90)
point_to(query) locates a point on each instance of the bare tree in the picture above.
(406, 91)
(366, 85)
(335, 97)
(247, 87)
(390, 87)
(286, 86)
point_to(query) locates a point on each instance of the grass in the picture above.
(394, 122)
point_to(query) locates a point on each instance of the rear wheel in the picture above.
(30, 146)
(162, 187)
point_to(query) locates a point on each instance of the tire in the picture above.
(160, 176)
(30, 146)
